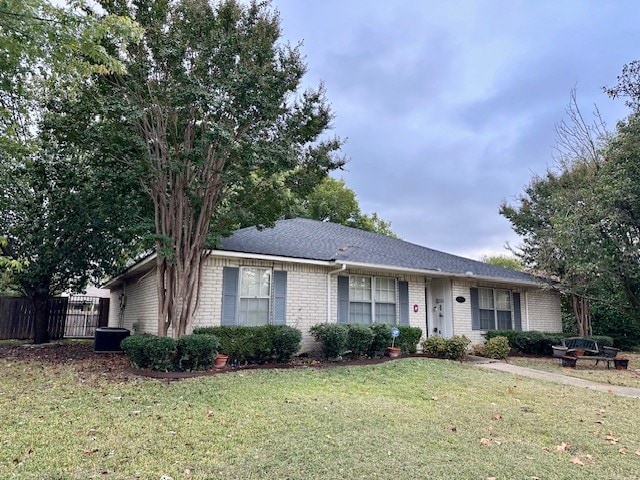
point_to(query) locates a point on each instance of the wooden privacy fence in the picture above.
(16, 318)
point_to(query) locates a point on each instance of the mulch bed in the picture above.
(82, 356)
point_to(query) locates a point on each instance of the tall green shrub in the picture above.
(359, 338)
(381, 339)
(196, 352)
(149, 351)
(408, 339)
(333, 338)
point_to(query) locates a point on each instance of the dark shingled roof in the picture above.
(314, 240)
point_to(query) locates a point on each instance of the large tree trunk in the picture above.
(582, 313)
(40, 318)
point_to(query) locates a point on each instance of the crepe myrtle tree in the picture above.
(215, 97)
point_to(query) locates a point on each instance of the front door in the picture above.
(440, 321)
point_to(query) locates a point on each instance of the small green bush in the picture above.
(333, 338)
(510, 335)
(285, 341)
(408, 339)
(359, 339)
(497, 347)
(196, 352)
(381, 339)
(454, 348)
(149, 351)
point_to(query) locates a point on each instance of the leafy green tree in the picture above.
(214, 97)
(333, 201)
(53, 203)
(504, 261)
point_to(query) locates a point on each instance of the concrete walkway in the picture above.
(557, 378)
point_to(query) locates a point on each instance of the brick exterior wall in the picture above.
(307, 300)
(141, 306)
(540, 309)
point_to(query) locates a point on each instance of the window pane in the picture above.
(359, 312)
(386, 313)
(487, 320)
(503, 300)
(359, 288)
(504, 320)
(485, 298)
(385, 290)
(255, 282)
(253, 312)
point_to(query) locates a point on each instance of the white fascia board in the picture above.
(133, 269)
(440, 274)
(272, 258)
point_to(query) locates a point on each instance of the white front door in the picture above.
(441, 322)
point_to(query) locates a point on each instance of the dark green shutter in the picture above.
(230, 277)
(517, 315)
(279, 297)
(475, 310)
(403, 297)
(343, 299)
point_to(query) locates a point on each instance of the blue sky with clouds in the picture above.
(448, 107)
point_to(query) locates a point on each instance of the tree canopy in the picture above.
(332, 201)
(56, 208)
(580, 223)
(226, 134)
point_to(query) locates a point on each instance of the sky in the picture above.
(448, 108)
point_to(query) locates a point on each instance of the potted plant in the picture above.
(394, 351)
(220, 361)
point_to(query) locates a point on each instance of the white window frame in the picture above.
(250, 298)
(494, 307)
(373, 300)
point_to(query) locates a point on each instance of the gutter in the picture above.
(334, 272)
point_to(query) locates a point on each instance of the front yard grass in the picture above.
(407, 419)
(588, 370)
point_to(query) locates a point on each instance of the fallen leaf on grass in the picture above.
(623, 451)
(563, 447)
(497, 416)
(576, 461)
(637, 452)
(485, 442)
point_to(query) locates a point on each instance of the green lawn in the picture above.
(408, 419)
(588, 370)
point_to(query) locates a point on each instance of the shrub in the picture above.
(435, 346)
(454, 348)
(602, 340)
(149, 351)
(359, 338)
(333, 337)
(381, 339)
(497, 347)
(510, 335)
(479, 349)
(408, 339)
(256, 344)
(285, 342)
(196, 352)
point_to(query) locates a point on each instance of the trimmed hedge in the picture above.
(540, 343)
(256, 344)
(357, 339)
(189, 352)
(454, 348)
(497, 347)
(333, 337)
(149, 351)
(196, 352)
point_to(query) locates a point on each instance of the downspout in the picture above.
(526, 304)
(334, 272)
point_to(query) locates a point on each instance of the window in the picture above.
(255, 294)
(372, 298)
(495, 309)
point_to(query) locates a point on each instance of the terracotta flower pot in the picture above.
(393, 352)
(220, 361)
(579, 352)
(569, 361)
